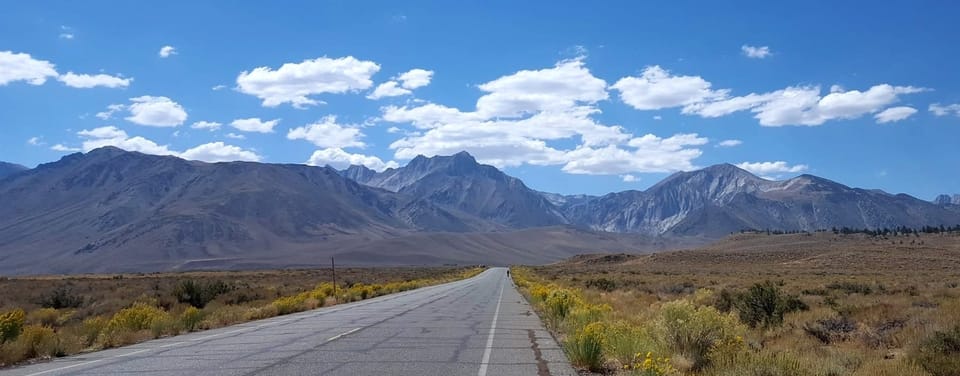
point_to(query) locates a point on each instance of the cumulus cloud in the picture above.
(415, 78)
(649, 154)
(35, 141)
(326, 133)
(255, 125)
(566, 85)
(113, 136)
(208, 125)
(220, 152)
(771, 168)
(944, 110)
(894, 114)
(729, 143)
(111, 109)
(629, 178)
(62, 147)
(237, 136)
(755, 52)
(86, 81)
(167, 51)
(339, 159)
(294, 83)
(522, 117)
(388, 89)
(22, 67)
(657, 88)
(156, 112)
(804, 105)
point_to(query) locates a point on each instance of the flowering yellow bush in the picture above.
(191, 318)
(138, 317)
(698, 332)
(585, 347)
(648, 365)
(11, 324)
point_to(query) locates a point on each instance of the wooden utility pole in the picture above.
(333, 267)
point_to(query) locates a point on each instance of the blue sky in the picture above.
(571, 98)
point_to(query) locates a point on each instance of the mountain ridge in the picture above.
(110, 210)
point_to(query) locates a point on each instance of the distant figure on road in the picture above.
(508, 272)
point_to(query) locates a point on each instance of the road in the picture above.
(478, 326)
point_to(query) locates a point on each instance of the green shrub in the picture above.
(851, 287)
(940, 353)
(199, 294)
(60, 298)
(602, 284)
(698, 333)
(585, 347)
(763, 305)
(11, 324)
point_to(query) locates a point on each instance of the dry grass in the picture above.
(70, 314)
(875, 305)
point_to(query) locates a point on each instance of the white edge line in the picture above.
(493, 330)
(87, 363)
(338, 336)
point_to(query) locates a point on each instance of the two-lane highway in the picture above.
(479, 326)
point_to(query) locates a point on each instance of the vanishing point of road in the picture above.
(478, 326)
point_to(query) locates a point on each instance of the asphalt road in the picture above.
(479, 326)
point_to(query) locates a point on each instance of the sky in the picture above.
(571, 97)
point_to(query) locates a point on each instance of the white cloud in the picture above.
(388, 89)
(156, 112)
(521, 118)
(111, 109)
(328, 134)
(113, 136)
(754, 52)
(86, 81)
(650, 154)
(62, 147)
(208, 125)
(771, 168)
(220, 152)
(218, 87)
(943, 110)
(394, 130)
(415, 78)
(294, 82)
(35, 141)
(339, 159)
(22, 67)
(894, 114)
(656, 88)
(804, 105)
(566, 85)
(729, 143)
(629, 178)
(237, 136)
(67, 36)
(255, 125)
(167, 51)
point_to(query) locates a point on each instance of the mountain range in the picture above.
(111, 210)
